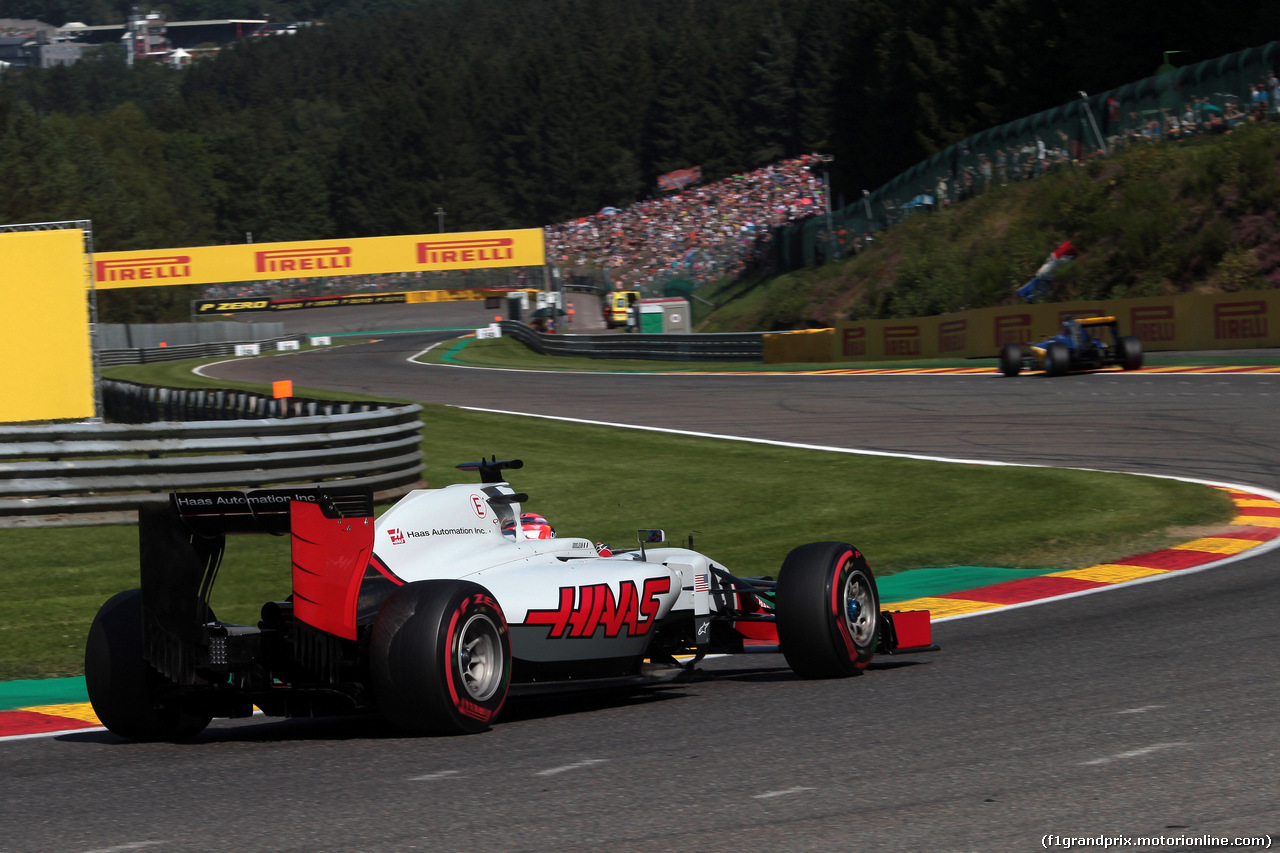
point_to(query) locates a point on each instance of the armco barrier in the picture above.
(740, 346)
(149, 355)
(58, 473)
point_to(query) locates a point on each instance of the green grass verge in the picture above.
(752, 503)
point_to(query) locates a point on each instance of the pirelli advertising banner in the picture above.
(1193, 322)
(45, 346)
(319, 258)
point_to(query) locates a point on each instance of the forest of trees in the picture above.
(520, 113)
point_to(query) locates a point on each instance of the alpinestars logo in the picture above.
(584, 609)
(396, 534)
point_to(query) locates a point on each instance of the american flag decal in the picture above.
(700, 583)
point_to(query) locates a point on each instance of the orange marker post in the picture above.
(282, 388)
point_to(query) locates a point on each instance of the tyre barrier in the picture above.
(134, 403)
(91, 473)
(737, 346)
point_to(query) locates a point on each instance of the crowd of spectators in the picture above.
(700, 233)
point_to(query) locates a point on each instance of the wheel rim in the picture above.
(860, 609)
(479, 657)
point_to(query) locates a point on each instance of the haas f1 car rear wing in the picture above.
(182, 544)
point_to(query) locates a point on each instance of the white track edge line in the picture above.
(1260, 548)
(59, 733)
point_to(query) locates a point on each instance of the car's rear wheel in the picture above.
(828, 610)
(1057, 359)
(129, 696)
(440, 656)
(1129, 352)
(1011, 359)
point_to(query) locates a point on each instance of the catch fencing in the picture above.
(111, 336)
(1206, 98)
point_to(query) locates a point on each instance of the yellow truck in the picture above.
(616, 305)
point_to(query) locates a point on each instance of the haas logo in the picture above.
(396, 534)
(596, 607)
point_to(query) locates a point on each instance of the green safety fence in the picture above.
(1206, 98)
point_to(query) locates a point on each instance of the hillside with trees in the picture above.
(510, 113)
(1155, 219)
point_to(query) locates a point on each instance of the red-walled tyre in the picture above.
(440, 657)
(129, 696)
(828, 610)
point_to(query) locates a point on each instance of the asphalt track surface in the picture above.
(1147, 710)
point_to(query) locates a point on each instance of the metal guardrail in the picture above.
(149, 355)
(149, 335)
(58, 473)
(738, 346)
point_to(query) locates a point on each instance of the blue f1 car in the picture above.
(1089, 343)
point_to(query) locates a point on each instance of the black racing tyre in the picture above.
(127, 693)
(1057, 359)
(440, 657)
(1129, 352)
(828, 610)
(1011, 359)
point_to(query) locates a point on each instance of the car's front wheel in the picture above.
(828, 610)
(440, 657)
(1129, 352)
(129, 696)
(1011, 359)
(1057, 359)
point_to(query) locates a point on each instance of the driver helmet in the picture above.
(533, 525)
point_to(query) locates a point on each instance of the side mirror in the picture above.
(650, 537)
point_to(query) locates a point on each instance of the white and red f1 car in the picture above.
(442, 608)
